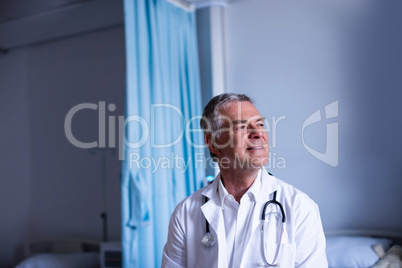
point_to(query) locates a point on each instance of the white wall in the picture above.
(50, 188)
(295, 58)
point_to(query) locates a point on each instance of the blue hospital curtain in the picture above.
(162, 142)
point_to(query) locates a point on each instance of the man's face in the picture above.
(243, 140)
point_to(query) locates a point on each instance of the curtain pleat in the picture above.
(162, 97)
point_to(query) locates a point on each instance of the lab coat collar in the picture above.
(211, 189)
(268, 186)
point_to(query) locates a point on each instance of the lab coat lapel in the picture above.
(213, 214)
(268, 186)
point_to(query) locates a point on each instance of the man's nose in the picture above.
(255, 133)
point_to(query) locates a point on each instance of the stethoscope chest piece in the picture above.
(208, 240)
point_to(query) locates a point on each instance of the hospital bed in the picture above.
(61, 253)
(364, 249)
(345, 249)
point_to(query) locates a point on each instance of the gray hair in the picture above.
(210, 122)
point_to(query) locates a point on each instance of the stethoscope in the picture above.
(208, 239)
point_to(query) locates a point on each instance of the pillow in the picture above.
(392, 259)
(353, 251)
(59, 260)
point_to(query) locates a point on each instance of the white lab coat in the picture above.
(303, 241)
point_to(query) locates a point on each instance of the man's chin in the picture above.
(258, 164)
(253, 163)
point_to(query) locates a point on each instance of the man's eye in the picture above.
(261, 124)
(241, 127)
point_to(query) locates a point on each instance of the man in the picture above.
(242, 233)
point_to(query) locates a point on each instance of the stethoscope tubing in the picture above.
(273, 201)
(208, 240)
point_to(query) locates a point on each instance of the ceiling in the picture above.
(28, 22)
(16, 9)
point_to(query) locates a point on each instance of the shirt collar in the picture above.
(253, 191)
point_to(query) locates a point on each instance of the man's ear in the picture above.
(210, 143)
